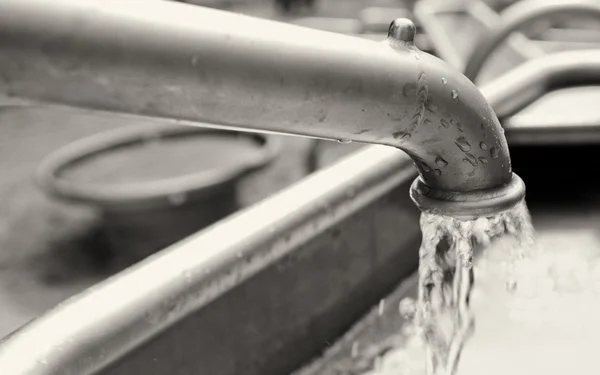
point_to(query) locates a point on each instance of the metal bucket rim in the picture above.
(196, 184)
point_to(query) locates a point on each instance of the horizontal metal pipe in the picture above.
(86, 333)
(177, 61)
(570, 36)
(552, 46)
(518, 16)
(521, 86)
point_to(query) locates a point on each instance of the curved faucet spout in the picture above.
(183, 62)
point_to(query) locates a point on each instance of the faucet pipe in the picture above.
(197, 65)
(509, 94)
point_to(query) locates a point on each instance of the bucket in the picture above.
(154, 185)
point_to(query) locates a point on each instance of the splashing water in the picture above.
(443, 317)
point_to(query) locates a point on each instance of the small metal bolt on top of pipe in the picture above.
(265, 76)
(402, 30)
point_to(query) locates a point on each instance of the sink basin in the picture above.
(295, 287)
(565, 215)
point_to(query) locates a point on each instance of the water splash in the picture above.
(443, 318)
(381, 308)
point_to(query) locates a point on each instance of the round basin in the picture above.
(155, 185)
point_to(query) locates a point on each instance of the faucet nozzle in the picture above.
(468, 205)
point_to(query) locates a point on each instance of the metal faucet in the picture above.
(202, 66)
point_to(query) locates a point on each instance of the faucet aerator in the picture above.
(468, 205)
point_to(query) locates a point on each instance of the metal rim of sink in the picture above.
(195, 185)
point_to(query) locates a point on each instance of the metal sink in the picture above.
(273, 287)
(561, 211)
(260, 293)
(270, 288)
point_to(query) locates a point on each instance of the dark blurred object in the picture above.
(288, 6)
(537, 163)
(155, 186)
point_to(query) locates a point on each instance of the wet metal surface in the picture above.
(387, 93)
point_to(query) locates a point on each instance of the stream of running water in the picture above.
(444, 320)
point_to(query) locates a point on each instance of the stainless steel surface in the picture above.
(64, 263)
(144, 213)
(429, 16)
(565, 215)
(517, 42)
(577, 122)
(442, 40)
(95, 329)
(523, 85)
(551, 46)
(509, 94)
(519, 15)
(571, 35)
(570, 115)
(332, 24)
(467, 205)
(402, 30)
(149, 193)
(182, 62)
